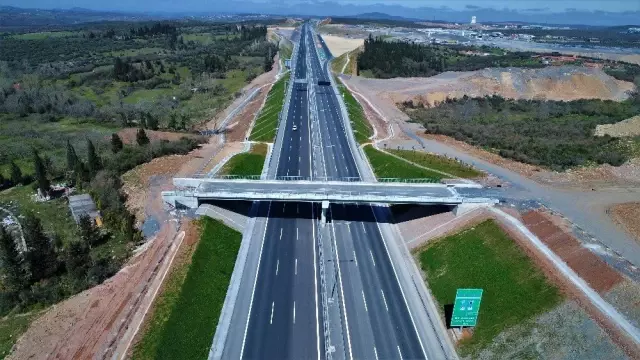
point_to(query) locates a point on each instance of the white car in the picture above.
(295, 127)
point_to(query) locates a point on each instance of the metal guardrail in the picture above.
(326, 179)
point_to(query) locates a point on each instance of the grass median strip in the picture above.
(515, 290)
(387, 166)
(267, 122)
(439, 163)
(186, 313)
(246, 164)
(362, 130)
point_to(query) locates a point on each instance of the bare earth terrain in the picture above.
(629, 127)
(339, 45)
(628, 216)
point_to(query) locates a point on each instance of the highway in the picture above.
(284, 315)
(378, 321)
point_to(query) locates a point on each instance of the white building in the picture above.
(473, 20)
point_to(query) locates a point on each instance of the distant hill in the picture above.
(17, 18)
(382, 16)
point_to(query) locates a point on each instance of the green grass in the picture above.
(193, 318)
(515, 290)
(362, 129)
(55, 214)
(286, 49)
(387, 166)
(46, 34)
(11, 328)
(203, 38)
(246, 164)
(267, 122)
(165, 302)
(338, 63)
(437, 162)
(147, 95)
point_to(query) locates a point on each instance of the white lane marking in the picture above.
(372, 259)
(280, 233)
(277, 266)
(315, 282)
(299, 159)
(289, 158)
(384, 299)
(363, 228)
(296, 270)
(294, 312)
(344, 307)
(406, 304)
(375, 352)
(272, 306)
(349, 227)
(355, 257)
(297, 233)
(255, 281)
(365, 302)
(284, 207)
(399, 352)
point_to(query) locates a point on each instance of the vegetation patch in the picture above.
(193, 319)
(151, 334)
(247, 164)
(266, 124)
(515, 291)
(555, 134)
(11, 328)
(437, 162)
(362, 129)
(388, 59)
(387, 166)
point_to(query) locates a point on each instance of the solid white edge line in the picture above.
(315, 281)
(294, 311)
(406, 304)
(273, 305)
(364, 299)
(384, 299)
(255, 281)
(344, 307)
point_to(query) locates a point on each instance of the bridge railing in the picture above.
(327, 178)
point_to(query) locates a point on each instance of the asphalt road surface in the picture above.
(379, 322)
(284, 312)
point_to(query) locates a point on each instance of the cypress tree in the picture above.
(88, 233)
(41, 173)
(11, 262)
(116, 143)
(16, 174)
(72, 157)
(40, 256)
(93, 160)
(141, 137)
(77, 259)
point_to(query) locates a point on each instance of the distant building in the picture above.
(473, 20)
(81, 205)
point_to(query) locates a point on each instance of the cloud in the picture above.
(472, 7)
(537, 9)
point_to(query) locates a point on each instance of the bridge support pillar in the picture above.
(325, 207)
(466, 207)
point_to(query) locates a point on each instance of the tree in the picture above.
(81, 174)
(87, 231)
(141, 137)
(40, 256)
(72, 157)
(77, 259)
(116, 143)
(41, 174)
(10, 259)
(93, 160)
(16, 174)
(152, 122)
(173, 122)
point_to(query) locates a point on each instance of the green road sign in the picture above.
(466, 307)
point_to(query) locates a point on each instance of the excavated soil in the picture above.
(238, 126)
(627, 215)
(339, 45)
(600, 276)
(624, 128)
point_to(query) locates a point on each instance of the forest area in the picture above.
(64, 95)
(555, 134)
(387, 59)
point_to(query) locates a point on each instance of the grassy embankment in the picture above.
(246, 164)
(185, 314)
(387, 166)
(439, 163)
(339, 63)
(266, 124)
(362, 129)
(485, 257)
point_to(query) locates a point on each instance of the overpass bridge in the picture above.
(192, 191)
